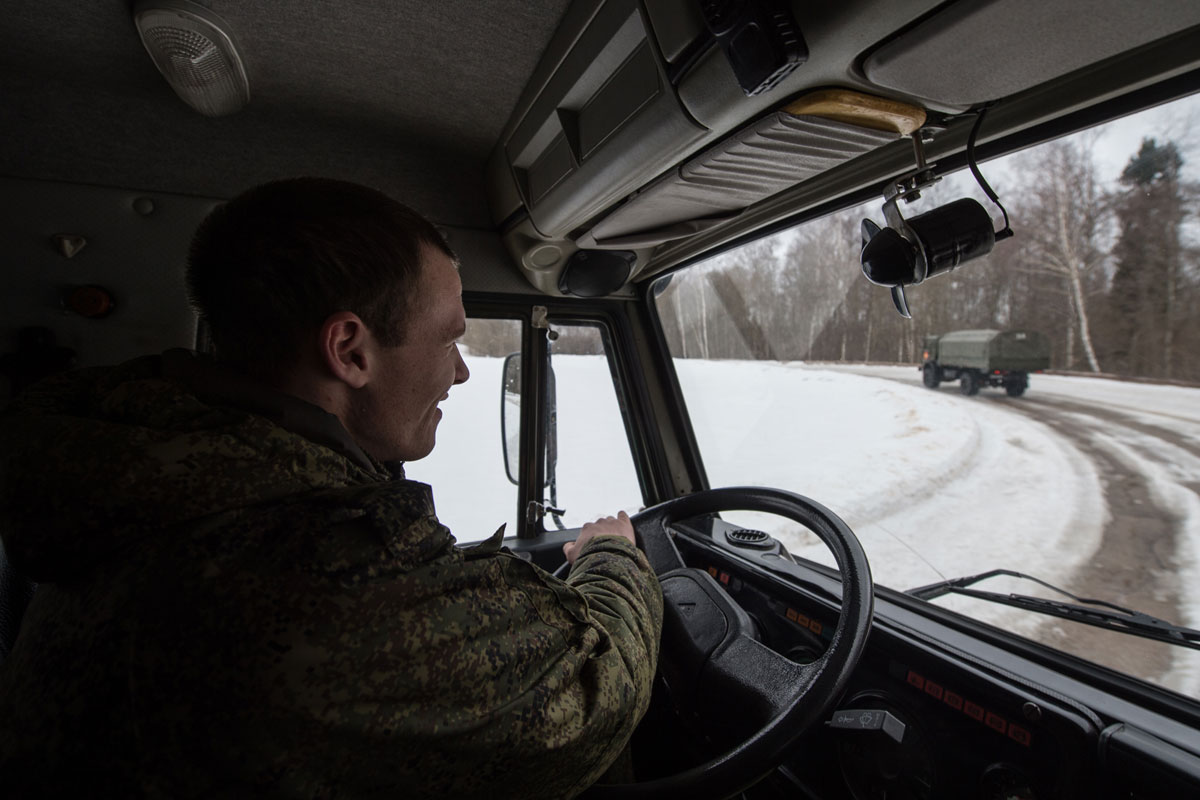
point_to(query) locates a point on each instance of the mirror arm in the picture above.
(531, 374)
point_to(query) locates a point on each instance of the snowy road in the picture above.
(1143, 442)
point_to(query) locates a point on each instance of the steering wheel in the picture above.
(709, 645)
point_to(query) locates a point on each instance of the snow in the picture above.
(1176, 406)
(471, 491)
(907, 469)
(934, 484)
(1169, 493)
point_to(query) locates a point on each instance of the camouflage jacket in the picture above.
(236, 600)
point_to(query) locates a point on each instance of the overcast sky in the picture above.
(1175, 121)
(1115, 142)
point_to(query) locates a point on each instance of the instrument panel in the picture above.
(924, 717)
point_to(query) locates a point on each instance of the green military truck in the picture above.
(985, 358)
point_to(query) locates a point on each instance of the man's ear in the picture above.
(345, 345)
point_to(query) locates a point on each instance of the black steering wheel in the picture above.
(709, 644)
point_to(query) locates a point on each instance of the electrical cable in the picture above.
(983, 184)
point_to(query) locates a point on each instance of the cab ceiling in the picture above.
(412, 96)
(406, 95)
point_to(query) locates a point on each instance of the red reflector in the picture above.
(92, 302)
(1019, 735)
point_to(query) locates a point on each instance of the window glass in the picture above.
(799, 374)
(471, 489)
(594, 472)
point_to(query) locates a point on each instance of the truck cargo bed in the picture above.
(987, 350)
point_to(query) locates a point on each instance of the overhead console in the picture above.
(652, 125)
(612, 121)
(607, 91)
(600, 121)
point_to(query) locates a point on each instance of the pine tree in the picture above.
(1144, 299)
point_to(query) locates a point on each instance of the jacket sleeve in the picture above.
(612, 604)
(624, 598)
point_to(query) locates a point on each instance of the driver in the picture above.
(240, 592)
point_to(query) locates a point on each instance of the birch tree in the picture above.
(1063, 222)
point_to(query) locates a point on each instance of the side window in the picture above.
(471, 491)
(594, 473)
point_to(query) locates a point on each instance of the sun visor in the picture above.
(950, 59)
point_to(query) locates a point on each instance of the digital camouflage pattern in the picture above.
(237, 603)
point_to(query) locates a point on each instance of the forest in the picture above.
(1110, 275)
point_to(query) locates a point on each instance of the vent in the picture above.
(744, 537)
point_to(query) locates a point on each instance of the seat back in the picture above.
(15, 594)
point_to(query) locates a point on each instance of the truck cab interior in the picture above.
(584, 158)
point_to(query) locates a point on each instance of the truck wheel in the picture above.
(1016, 385)
(931, 376)
(970, 382)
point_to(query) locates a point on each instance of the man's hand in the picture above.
(605, 526)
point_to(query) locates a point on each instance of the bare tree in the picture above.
(1063, 223)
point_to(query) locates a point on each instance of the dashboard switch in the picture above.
(865, 719)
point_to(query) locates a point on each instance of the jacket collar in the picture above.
(217, 383)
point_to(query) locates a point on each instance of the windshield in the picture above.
(1040, 411)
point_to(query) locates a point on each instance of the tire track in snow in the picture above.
(1106, 413)
(985, 478)
(1145, 560)
(1144, 544)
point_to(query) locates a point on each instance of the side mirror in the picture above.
(510, 423)
(510, 415)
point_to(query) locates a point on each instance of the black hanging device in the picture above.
(908, 252)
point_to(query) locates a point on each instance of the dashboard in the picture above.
(942, 706)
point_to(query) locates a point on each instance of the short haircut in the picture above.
(266, 269)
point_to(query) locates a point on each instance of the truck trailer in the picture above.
(985, 358)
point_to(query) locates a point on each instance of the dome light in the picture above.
(194, 51)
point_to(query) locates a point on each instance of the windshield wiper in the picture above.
(1088, 611)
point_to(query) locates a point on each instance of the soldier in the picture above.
(239, 591)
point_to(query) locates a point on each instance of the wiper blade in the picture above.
(1100, 613)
